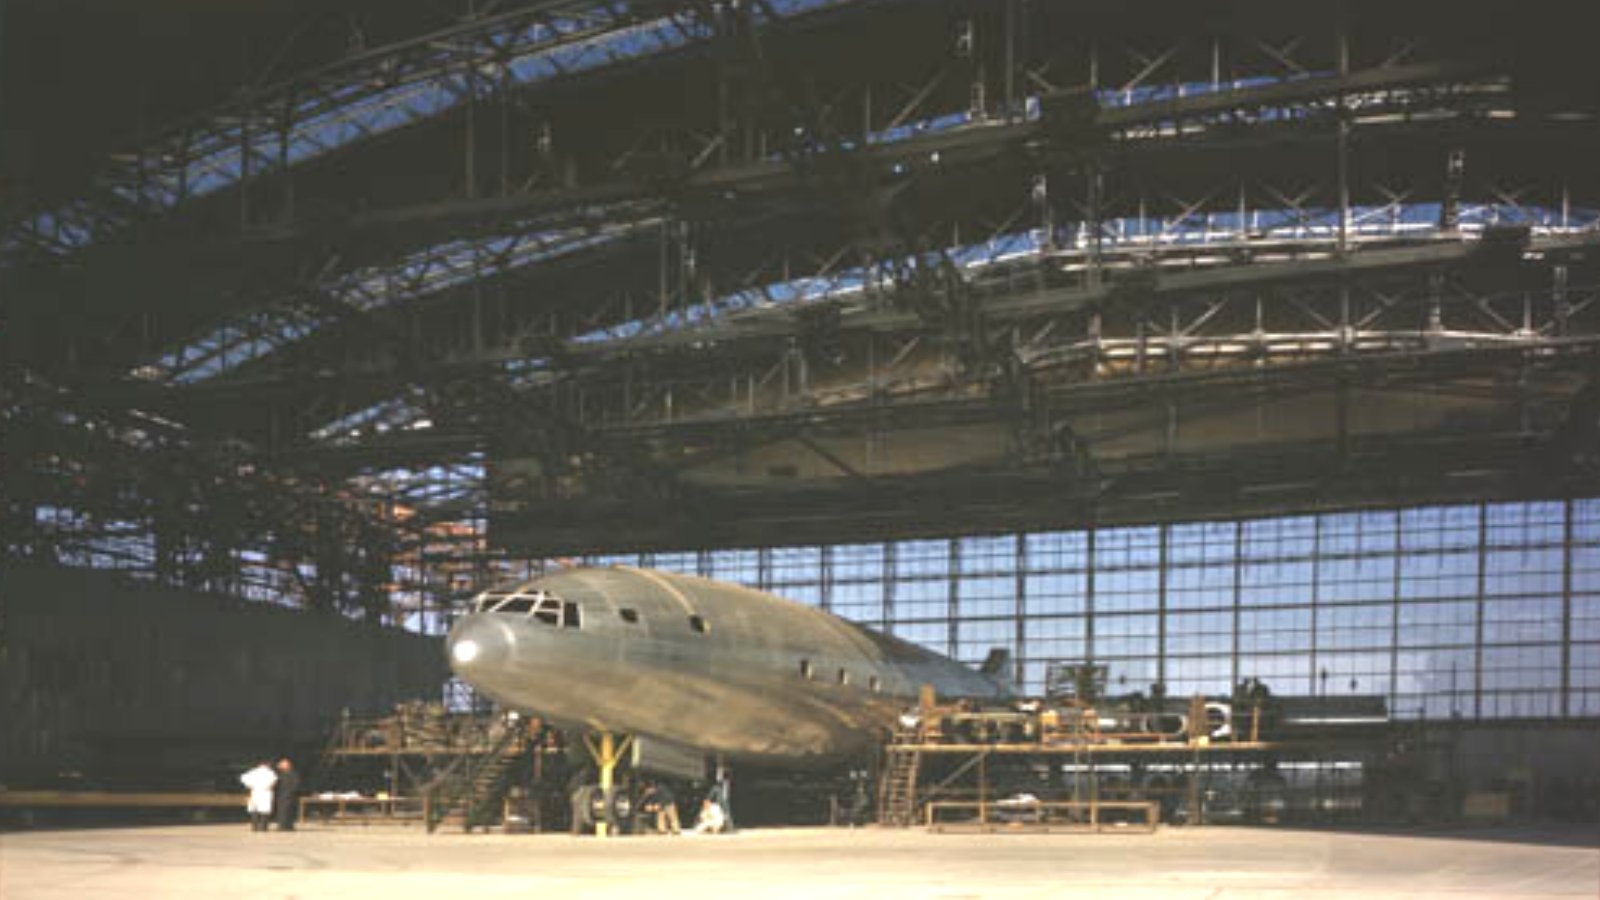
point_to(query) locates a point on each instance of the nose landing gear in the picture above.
(602, 806)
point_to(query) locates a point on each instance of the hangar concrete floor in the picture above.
(206, 861)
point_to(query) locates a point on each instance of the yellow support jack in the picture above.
(606, 756)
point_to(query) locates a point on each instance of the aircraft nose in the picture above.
(478, 644)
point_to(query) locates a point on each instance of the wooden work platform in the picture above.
(1062, 816)
(118, 800)
(1169, 747)
(363, 810)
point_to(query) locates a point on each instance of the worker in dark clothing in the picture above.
(659, 801)
(581, 797)
(857, 814)
(285, 805)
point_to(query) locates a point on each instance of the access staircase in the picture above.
(897, 794)
(473, 793)
(486, 806)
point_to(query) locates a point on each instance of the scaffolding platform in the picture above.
(1070, 764)
(425, 765)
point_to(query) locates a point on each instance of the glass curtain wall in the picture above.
(1486, 611)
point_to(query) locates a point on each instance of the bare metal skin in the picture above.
(759, 678)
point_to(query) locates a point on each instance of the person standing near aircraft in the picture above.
(260, 781)
(283, 799)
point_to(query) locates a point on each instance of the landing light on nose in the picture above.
(479, 645)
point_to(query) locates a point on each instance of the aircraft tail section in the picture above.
(995, 664)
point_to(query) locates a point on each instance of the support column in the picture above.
(1011, 67)
(505, 129)
(1566, 612)
(1161, 607)
(470, 170)
(1020, 611)
(1316, 606)
(825, 587)
(1561, 307)
(1344, 139)
(1088, 593)
(1238, 572)
(1394, 623)
(953, 599)
(1096, 187)
(285, 171)
(244, 173)
(1477, 639)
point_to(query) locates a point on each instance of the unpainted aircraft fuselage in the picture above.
(698, 663)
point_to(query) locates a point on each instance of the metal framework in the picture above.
(267, 132)
(645, 276)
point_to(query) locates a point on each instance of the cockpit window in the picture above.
(561, 613)
(539, 605)
(548, 611)
(488, 600)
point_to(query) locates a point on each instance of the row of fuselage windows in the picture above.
(565, 614)
(807, 670)
(809, 673)
(696, 623)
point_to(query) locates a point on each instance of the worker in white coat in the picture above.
(260, 781)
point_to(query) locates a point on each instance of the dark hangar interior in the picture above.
(1201, 342)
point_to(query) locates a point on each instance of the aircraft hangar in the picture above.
(1223, 379)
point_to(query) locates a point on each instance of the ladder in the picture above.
(897, 796)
